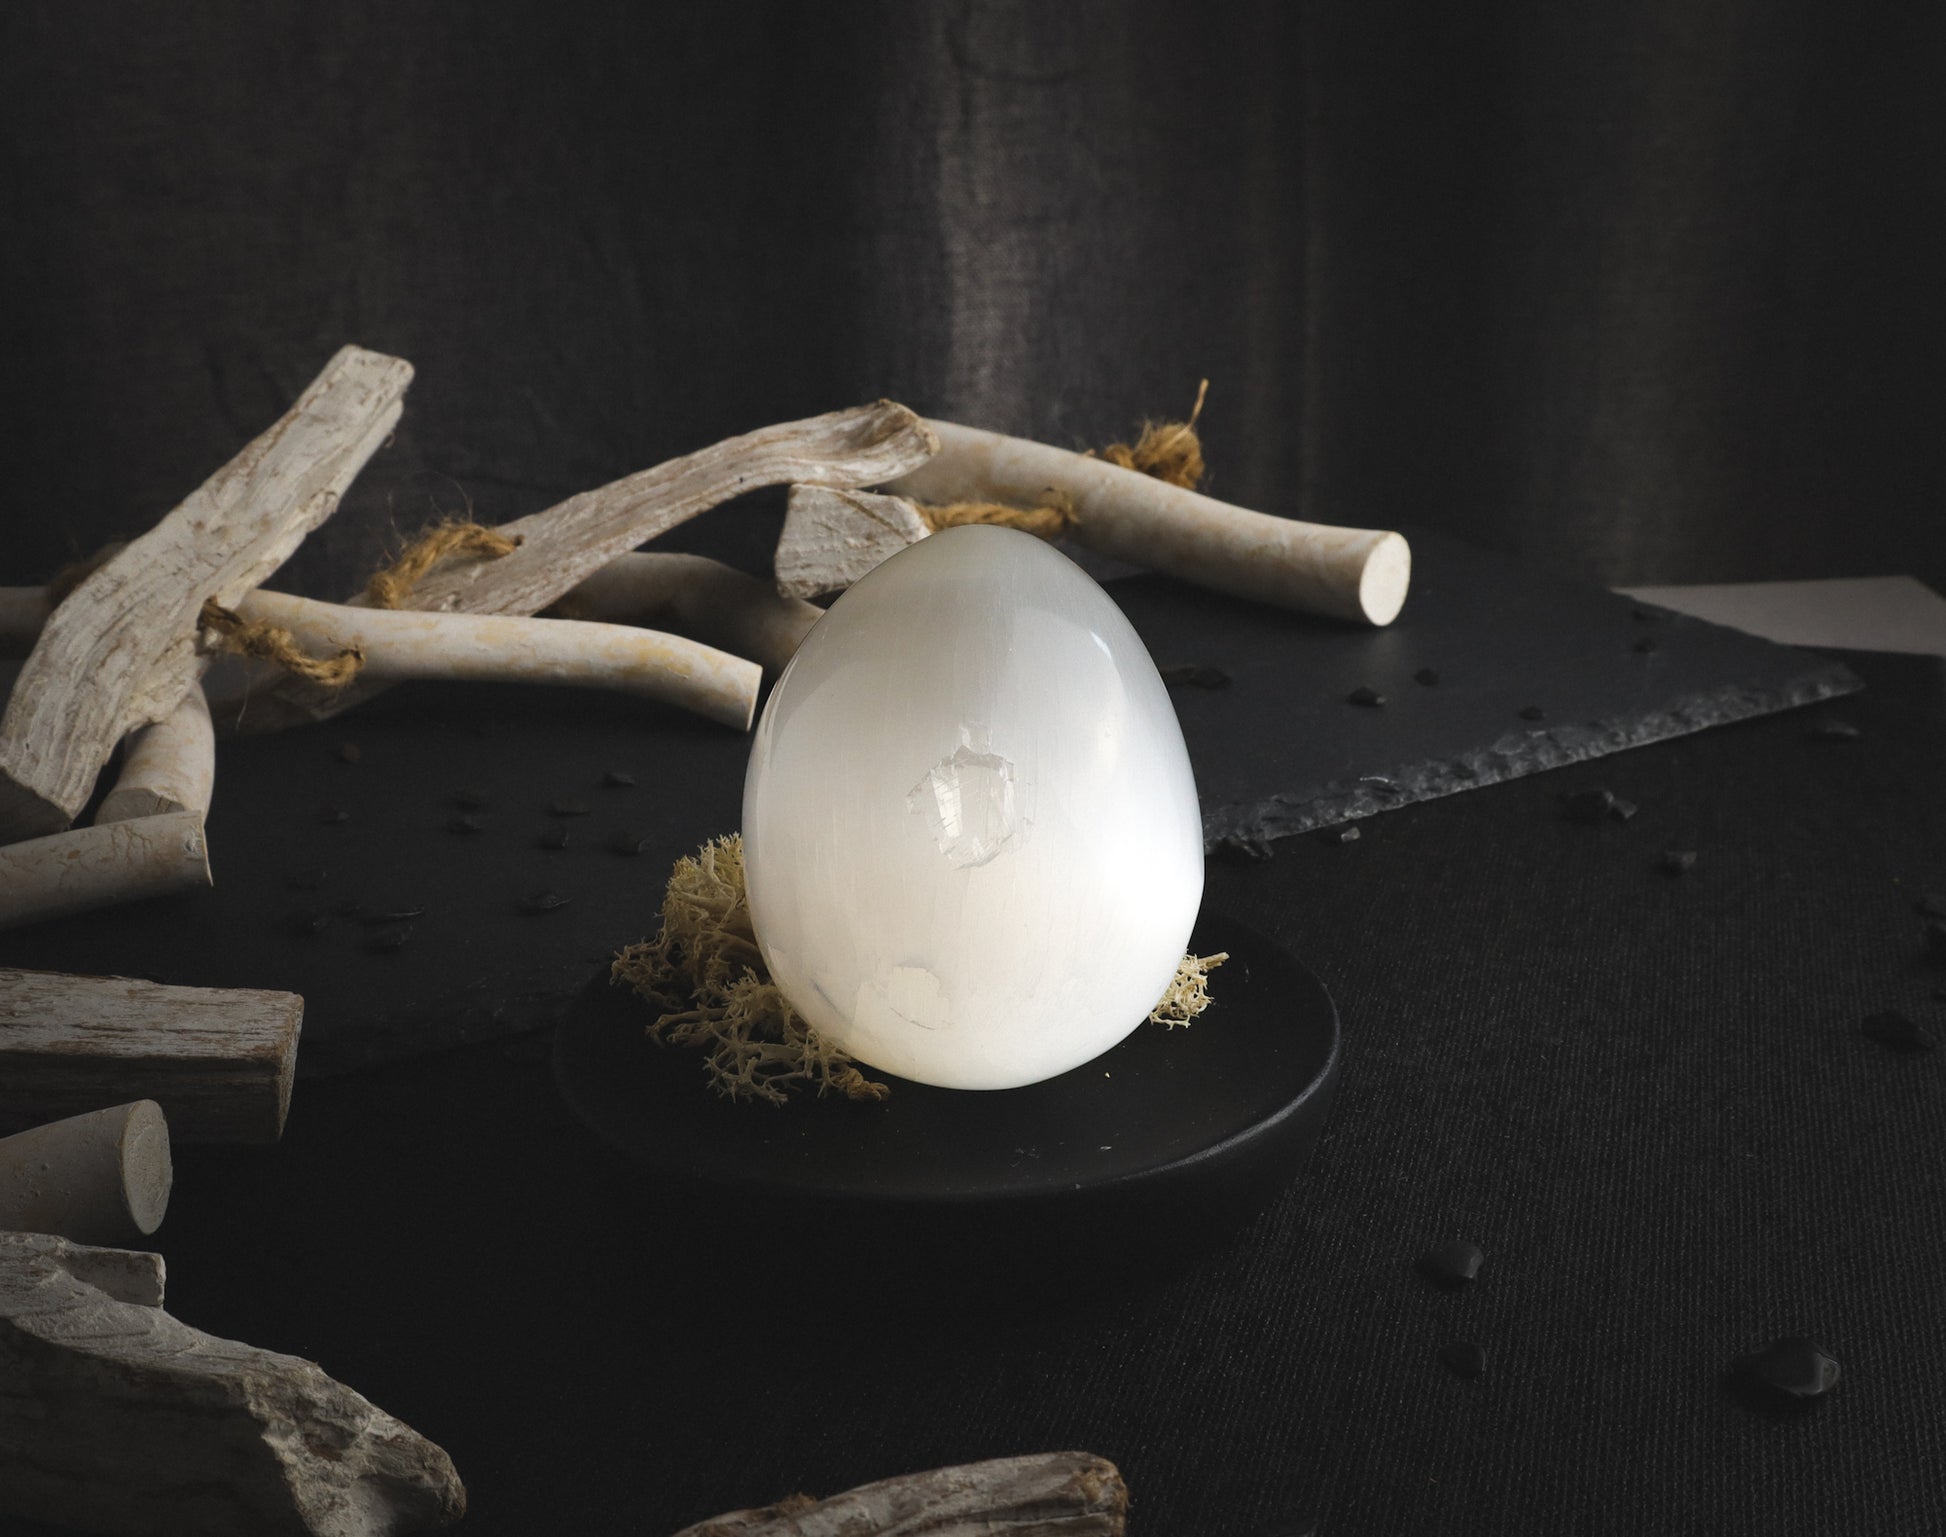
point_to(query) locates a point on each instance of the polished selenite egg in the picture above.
(970, 831)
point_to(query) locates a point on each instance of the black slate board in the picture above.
(1165, 1127)
(1277, 752)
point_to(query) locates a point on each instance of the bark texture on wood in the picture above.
(564, 545)
(831, 538)
(103, 1177)
(121, 651)
(491, 648)
(1056, 1494)
(117, 1418)
(89, 867)
(169, 766)
(1349, 573)
(218, 1060)
(694, 595)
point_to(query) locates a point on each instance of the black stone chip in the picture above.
(1195, 675)
(1532, 712)
(1347, 834)
(1828, 728)
(1677, 861)
(373, 917)
(569, 809)
(1893, 1029)
(1371, 698)
(1234, 848)
(1793, 1365)
(1622, 810)
(1588, 806)
(349, 752)
(1452, 1265)
(1464, 1358)
(1646, 644)
(556, 837)
(468, 800)
(615, 779)
(331, 816)
(307, 880)
(386, 940)
(1426, 675)
(543, 902)
(629, 843)
(467, 823)
(313, 921)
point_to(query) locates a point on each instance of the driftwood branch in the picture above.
(117, 1418)
(103, 1177)
(1058, 1494)
(169, 766)
(831, 538)
(120, 651)
(89, 867)
(1348, 573)
(693, 595)
(218, 1060)
(566, 544)
(399, 644)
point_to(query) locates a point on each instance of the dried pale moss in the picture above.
(705, 976)
(1188, 992)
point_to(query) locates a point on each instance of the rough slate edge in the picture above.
(1517, 753)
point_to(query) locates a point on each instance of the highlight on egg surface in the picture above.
(971, 837)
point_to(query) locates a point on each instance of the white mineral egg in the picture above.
(970, 830)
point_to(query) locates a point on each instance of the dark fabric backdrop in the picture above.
(1648, 291)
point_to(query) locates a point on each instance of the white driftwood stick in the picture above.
(831, 538)
(89, 867)
(120, 651)
(696, 596)
(23, 610)
(404, 643)
(1348, 573)
(564, 545)
(103, 1177)
(218, 1060)
(169, 766)
(1057, 1494)
(117, 1418)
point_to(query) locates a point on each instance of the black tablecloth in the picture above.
(1645, 1095)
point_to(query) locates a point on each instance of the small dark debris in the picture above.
(1427, 675)
(1346, 834)
(332, 816)
(348, 752)
(543, 902)
(468, 800)
(1793, 1365)
(1652, 615)
(1452, 1265)
(307, 880)
(556, 837)
(1238, 849)
(1588, 806)
(1195, 675)
(1828, 728)
(1893, 1029)
(1931, 905)
(387, 940)
(616, 779)
(1464, 1358)
(466, 824)
(1936, 942)
(312, 922)
(1646, 644)
(569, 809)
(1371, 698)
(373, 917)
(1622, 810)
(1677, 861)
(629, 843)
(348, 907)
(1532, 712)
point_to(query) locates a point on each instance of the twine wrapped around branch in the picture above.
(451, 540)
(1169, 451)
(273, 643)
